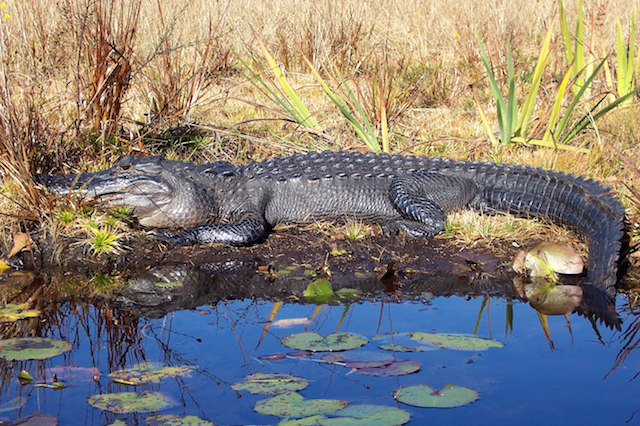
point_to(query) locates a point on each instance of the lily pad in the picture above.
(545, 259)
(292, 404)
(146, 374)
(271, 384)
(23, 348)
(397, 368)
(12, 312)
(334, 342)
(550, 298)
(306, 421)
(319, 290)
(461, 342)
(402, 342)
(173, 420)
(131, 402)
(365, 415)
(361, 359)
(448, 396)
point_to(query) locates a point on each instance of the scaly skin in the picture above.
(223, 203)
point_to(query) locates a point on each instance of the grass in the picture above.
(83, 83)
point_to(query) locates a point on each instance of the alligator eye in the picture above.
(125, 166)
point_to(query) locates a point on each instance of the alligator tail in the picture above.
(583, 205)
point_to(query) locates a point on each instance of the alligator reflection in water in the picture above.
(122, 326)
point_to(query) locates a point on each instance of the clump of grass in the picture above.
(356, 230)
(103, 240)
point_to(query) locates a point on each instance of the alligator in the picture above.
(238, 204)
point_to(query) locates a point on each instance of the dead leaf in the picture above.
(21, 241)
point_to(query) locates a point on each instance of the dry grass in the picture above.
(83, 82)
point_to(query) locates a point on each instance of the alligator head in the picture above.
(155, 189)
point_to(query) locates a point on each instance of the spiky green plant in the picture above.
(278, 90)
(102, 239)
(627, 71)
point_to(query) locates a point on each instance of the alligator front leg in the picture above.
(424, 198)
(244, 232)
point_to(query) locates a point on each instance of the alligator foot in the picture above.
(245, 232)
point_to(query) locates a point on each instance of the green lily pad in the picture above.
(173, 420)
(306, 421)
(361, 359)
(292, 404)
(12, 312)
(23, 348)
(335, 342)
(131, 402)
(397, 368)
(461, 342)
(319, 290)
(448, 396)
(348, 293)
(272, 384)
(365, 415)
(402, 342)
(147, 374)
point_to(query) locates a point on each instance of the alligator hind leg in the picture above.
(244, 232)
(425, 198)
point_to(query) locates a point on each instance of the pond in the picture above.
(221, 321)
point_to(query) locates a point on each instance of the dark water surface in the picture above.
(582, 372)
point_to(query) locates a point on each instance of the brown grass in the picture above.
(83, 82)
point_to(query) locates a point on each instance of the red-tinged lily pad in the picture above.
(148, 374)
(365, 415)
(397, 368)
(131, 402)
(334, 342)
(173, 420)
(546, 259)
(361, 359)
(448, 396)
(292, 404)
(39, 419)
(270, 384)
(72, 374)
(273, 357)
(23, 348)
(461, 342)
(402, 342)
(11, 312)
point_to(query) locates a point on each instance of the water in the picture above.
(574, 375)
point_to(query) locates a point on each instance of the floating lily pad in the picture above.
(146, 374)
(550, 298)
(348, 293)
(173, 420)
(361, 359)
(319, 290)
(39, 419)
(292, 404)
(307, 421)
(365, 415)
(23, 348)
(271, 384)
(402, 342)
(461, 342)
(131, 402)
(396, 368)
(273, 357)
(448, 396)
(310, 341)
(12, 312)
